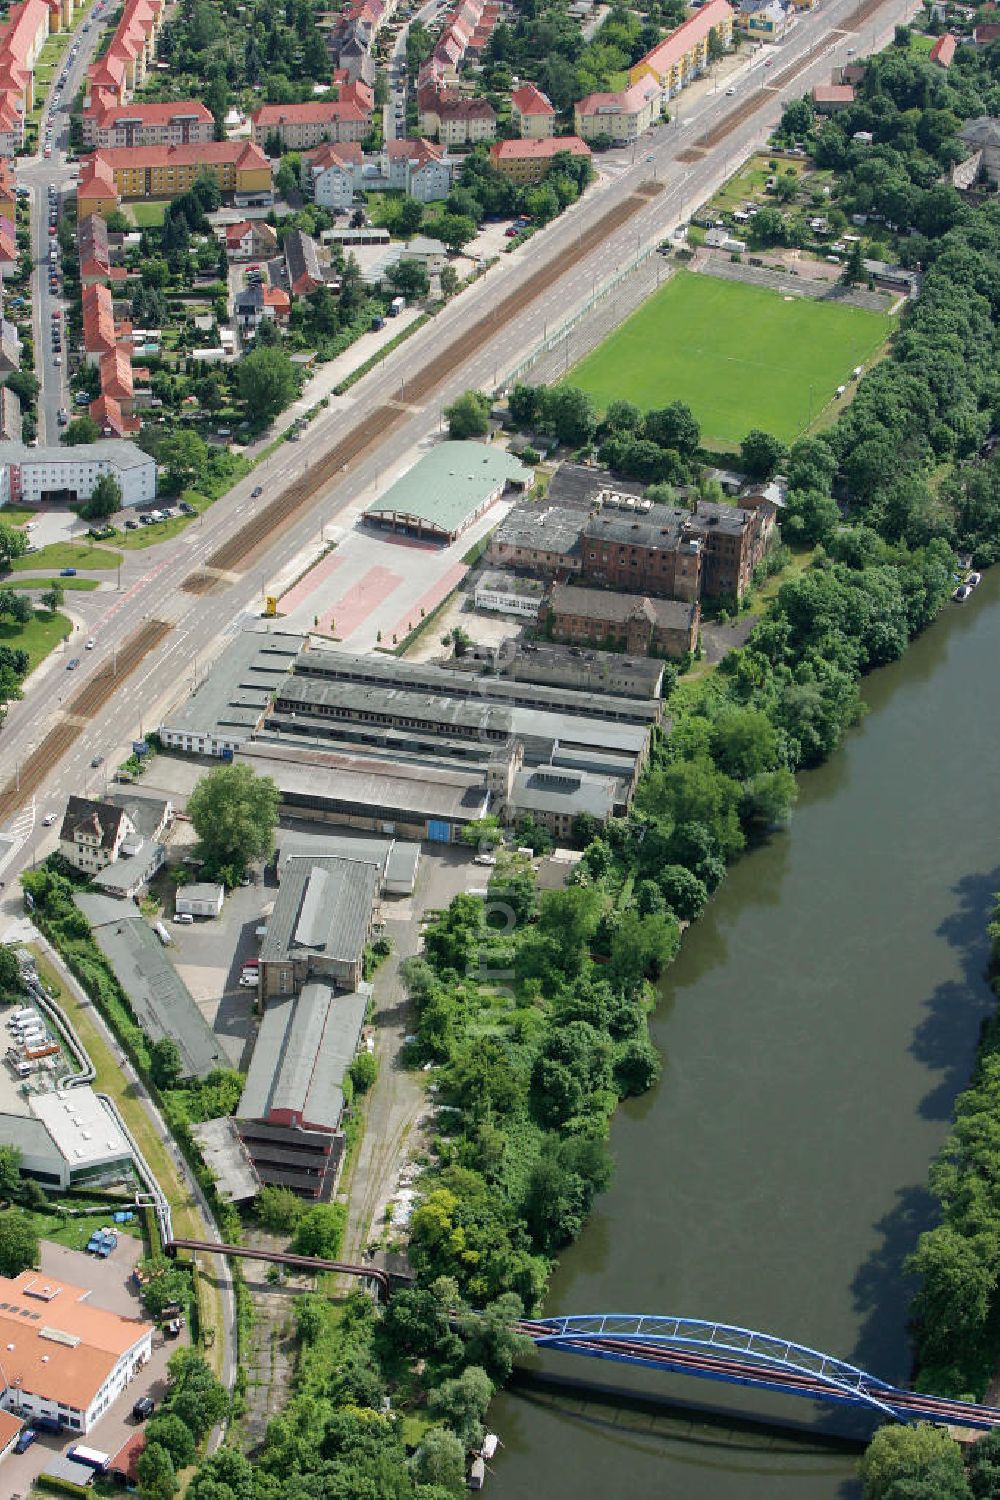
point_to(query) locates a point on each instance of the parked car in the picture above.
(96, 760)
(25, 1438)
(72, 664)
(185, 918)
(143, 1408)
(48, 820)
(131, 525)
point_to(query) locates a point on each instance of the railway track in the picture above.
(87, 702)
(376, 424)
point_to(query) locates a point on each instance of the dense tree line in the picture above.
(956, 1311)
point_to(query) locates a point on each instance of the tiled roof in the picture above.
(625, 102)
(688, 34)
(270, 116)
(57, 1344)
(194, 153)
(528, 100)
(549, 146)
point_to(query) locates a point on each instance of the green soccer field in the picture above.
(740, 356)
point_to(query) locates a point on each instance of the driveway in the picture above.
(209, 956)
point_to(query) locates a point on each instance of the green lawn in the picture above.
(148, 215)
(48, 583)
(40, 636)
(74, 1232)
(921, 44)
(739, 355)
(69, 555)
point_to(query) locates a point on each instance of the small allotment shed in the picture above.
(201, 900)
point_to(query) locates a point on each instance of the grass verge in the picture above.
(47, 583)
(40, 636)
(69, 555)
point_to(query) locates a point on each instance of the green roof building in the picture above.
(448, 489)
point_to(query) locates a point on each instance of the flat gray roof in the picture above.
(384, 789)
(145, 813)
(162, 1003)
(327, 664)
(305, 1045)
(130, 870)
(324, 907)
(566, 792)
(449, 484)
(363, 702)
(542, 528)
(238, 687)
(226, 1158)
(117, 451)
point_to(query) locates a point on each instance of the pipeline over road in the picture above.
(283, 1258)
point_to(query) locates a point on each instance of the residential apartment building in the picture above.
(168, 171)
(98, 322)
(334, 172)
(94, 250)
(301, 126)
(180, 124)
(532, 113)
(633, 622)
(454, 119)
(684, 54)
(527, 161)
(330, 173)
(37, 474)
(93, 833)
(765, 20)
(115, 76)
(621, 117)
(28, 23)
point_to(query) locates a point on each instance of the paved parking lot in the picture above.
(109, 1285)
(209, 956)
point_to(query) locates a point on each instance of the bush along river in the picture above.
(816, 1027)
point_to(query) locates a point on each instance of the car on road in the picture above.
(48, 820)
(63, 416)
(258, 489)
(57, 360)
(72, 664)
(96, 760)
(48, 152)
(730, 91)
(91, 644)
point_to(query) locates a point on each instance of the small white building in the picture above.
(34, 474)
(201, 900)
(508, 594)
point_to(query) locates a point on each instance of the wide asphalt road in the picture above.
(199, 624)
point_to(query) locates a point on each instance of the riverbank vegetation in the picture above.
(956, 1311)
(532, 1008)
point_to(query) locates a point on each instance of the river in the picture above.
(815, 1029)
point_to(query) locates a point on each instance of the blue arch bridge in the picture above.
(741, 1356)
